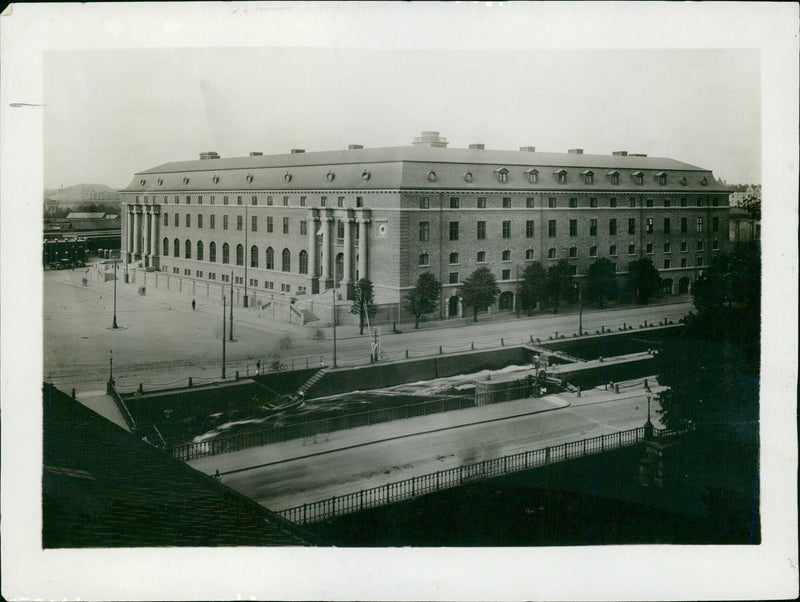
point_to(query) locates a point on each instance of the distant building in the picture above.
(301, 223)
(744, 228)
(738, 197)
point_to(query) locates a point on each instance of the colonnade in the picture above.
(141, 234)
(323, 244)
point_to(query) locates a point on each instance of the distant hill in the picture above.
(82, 193)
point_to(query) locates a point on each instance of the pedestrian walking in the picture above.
(193, 304)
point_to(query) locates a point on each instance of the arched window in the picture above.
(176, 247)
(165, 246)
(286, 265)
(270, 259)
(239, 255)
(188, 246)
(254, 256)
(226, 253)
(303, 262)
(212, 251)
(424, 259)
(199, 250)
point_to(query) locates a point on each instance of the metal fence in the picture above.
(221, 445)
(462, 475)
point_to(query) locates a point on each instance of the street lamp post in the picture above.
(114, 324)
(333, 322)
(231, 334)
(246, 257)
(648, 426)
(223, 336)
(110, 383)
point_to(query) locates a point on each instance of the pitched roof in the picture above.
(102, 487)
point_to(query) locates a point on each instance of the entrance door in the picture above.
(683, 286)
(338, 270)
(452, 307)
(506, 301)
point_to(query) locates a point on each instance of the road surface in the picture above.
(302, 471)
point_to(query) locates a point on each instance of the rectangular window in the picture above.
(506, 229)
(481, 230)
(551, 253)
(667, 264)
(224, 222)
(701, 201)
(481, 202)
(166, 218)
(667, 247)
(631, 249)
(684, 203)
(649, 202)
(254, 200)
(212, 221)
(254, 223)
(423, 259)
(649, 248)
(667, 225)
(453, 258)
(699, 225)
(632, 225)
(612, 226)
(200, 220)
(593, 201)
(551, 228)
(715, 245)
(285, 201)
(453, 230)
(612, 202)
(239, 200)
(453, 202)
(529, 254)
(506, 255)
(551, 202)
(481, 258)
(303, 201)
(424, 231)
(715, 224)
(239, 221)
(177, 221)
(359, 201)
(698, 260)
(269, 223)
(593, 227)
(529, 228)
(506, 275)
(177, 199)
(225, 199)
(188, 220)
(506, 202)
(699, 245)
(683, 246)
(667, 203)
(573, 227)
(269, 201)
(649, 225)
(530, 202)
(340, 201)
(453, 278)
(323, 201)
(684, 225)
(199, 199)
(632, 201)
(188, 200)
(573, 252)
(593, 251)
(683, 262)
(424, 203)
(286, 227)
(573, 202)
(303, 227)
(213, 199)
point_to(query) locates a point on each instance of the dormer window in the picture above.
(638, 177)
(431, 176)
(613, 177)
(142, 182)
(468, 176)
(662, 178)
(330, 176)
(682, 181)
(365, 175)
(215, 179)
(561, 176)
(160, 182)
(186, 180)
(533, 176)
(287, 176)
(502, 175)
(588, 177)
(704, 181)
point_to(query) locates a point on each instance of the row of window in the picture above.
(455, 259)
(587, 176)
(552, 202)
(253, 282)
(455, 229)
(270, 201)
(212, 222)
(269, 259)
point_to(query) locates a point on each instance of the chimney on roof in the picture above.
(528, 149)
(355, 146)
(477, 146)
(256, 153)
(431, 139)
(296, 151)
(620, 153)
(575, 151)
(209, 155)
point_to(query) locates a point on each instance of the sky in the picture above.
(110, 113)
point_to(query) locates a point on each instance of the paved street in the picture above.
(162, 341)
(288, 474)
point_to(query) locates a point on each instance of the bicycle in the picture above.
(277, 366)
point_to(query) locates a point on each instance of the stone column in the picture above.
(128, 234)
(362, 248)
(347, 277)
(137, 228)
(313, 227)
(154, 252)
(147, 234)
(326, 251)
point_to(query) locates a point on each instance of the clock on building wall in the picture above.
(382, 229)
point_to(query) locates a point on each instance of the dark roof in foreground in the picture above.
(102, 487)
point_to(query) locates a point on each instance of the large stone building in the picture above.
(297, 224)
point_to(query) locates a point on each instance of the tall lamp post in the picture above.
(333, 323)
(223, 336)
(114, 324)
(246, 258)
(648, 426)
(231, 334)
